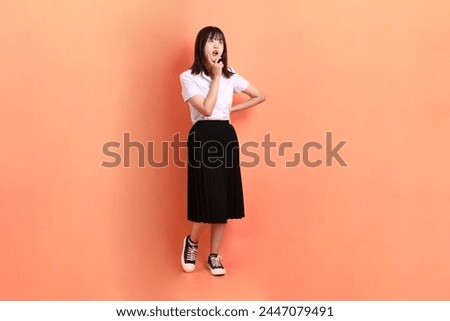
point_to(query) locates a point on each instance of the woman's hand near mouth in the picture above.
(216, 65)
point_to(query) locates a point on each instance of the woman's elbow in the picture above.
(206, 111)
(262, 98)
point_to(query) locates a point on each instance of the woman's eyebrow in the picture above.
(216, 38)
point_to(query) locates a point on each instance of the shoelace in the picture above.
(215, 261)
(192, 253)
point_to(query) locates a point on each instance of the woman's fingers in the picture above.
(216, 64)
(210, 58)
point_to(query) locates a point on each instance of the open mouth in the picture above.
(215, 52)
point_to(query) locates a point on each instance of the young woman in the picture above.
(214, 176)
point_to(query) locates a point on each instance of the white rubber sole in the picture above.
(187, 267)
(217, 272)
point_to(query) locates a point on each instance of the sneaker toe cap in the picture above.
(188, 267)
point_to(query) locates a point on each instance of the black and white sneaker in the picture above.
(188, 255)
(215, 265)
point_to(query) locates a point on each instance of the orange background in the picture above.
(77, 74)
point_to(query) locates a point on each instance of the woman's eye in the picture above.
(218, 40)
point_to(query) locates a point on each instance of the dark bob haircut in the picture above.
(199, 64)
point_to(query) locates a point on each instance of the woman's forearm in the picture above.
(205, 106)
(249, 103)
(211, 99)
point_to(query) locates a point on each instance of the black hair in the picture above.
(199, 64)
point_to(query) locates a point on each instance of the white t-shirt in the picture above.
(199, 85)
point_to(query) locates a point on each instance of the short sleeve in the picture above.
(239, 83)
(188, 86)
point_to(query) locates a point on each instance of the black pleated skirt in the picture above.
(214, 176)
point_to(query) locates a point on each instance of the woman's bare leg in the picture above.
(195, 233)
(217, 231)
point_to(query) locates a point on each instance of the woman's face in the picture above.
(213, 49)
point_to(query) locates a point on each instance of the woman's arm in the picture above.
(256, 97)
(205, 106)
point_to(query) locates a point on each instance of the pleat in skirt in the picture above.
(214, 175)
